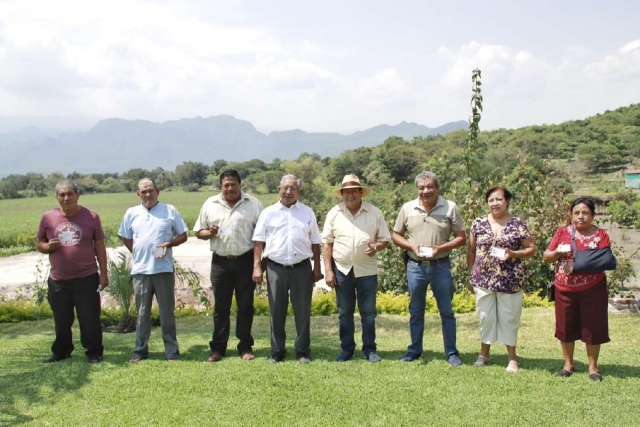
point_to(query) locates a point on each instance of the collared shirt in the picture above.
(350, 235)
(148, 228)
(288, 233)
(236, 224)
(429, 228)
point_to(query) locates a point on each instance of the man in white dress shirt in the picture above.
(287, 236)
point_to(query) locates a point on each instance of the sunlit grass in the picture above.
(323, 393)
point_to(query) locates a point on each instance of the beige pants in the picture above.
(499, 315)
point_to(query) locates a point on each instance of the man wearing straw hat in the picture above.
(354, 232)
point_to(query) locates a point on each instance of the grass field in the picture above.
(323, 393)
(19, 218)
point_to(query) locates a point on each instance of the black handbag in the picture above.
(592, 260)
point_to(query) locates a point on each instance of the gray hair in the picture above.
(292, 177)
(147, 179)
(67, 183)
(425, 175)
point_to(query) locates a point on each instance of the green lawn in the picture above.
(19, 218)
(323, 393)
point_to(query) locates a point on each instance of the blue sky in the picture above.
(319, 66)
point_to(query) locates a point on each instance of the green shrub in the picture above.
(535, 300)
(260, 306)
(390, 303)
(324, 304)
(15, 311)
(622, 213)
(110, 316)
(464, 302)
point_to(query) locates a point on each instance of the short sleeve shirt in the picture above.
(76, 256)
(429, 228)
(350, 235)
(236, 224)
(489, 272)
(288, 233)
(576, 282)
(148, 228)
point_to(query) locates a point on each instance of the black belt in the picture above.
(232, 256)
(431, 262)
(288, 266)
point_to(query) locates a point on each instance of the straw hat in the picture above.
(351, 181)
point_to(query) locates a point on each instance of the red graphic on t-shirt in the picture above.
(69, 234)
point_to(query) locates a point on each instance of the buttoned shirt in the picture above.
(431, 228)
(288, 233)
(236, 224)
(350, 235)
(148, 228)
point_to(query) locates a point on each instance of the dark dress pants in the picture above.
(229, 275)
(81, 294)
(296, 283)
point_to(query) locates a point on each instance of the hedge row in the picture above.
(323, 304)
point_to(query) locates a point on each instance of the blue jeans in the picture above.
(439, 276)
(348, 289)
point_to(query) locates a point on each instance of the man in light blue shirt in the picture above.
(149, 231)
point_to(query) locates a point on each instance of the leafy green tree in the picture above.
(623, 213)
(112, 185)
(598, 156)
(191, 172)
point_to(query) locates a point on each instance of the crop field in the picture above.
(19, 218)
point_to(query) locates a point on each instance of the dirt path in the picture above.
(19, 270)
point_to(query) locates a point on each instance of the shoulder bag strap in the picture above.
(573, 240)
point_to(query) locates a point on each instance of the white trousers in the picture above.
(499, 315)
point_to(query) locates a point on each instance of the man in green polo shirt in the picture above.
(424, 229)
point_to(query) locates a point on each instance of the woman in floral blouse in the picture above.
(497, 244)
(581, 298)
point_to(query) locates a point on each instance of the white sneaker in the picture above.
(482, 361)
(513, 366)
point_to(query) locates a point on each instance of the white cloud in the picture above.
(625, 62)
(161, 60)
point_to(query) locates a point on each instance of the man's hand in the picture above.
(257, 274)
(416, 251)
(371, 250)
(214, 230)
(163, 247)
(436, 251)
(54, 244)
(330, 279)
(317, 274)
(103, 280)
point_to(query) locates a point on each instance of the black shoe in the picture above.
(563, 373)
(373, 357)
(275, 358)
(595, 377)
(94, 359)
(344, 356)
(57, 357)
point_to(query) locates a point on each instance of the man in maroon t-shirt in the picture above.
(72, 235)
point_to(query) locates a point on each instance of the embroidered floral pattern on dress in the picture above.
(577, 281)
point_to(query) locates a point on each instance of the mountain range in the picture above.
(116, 145)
